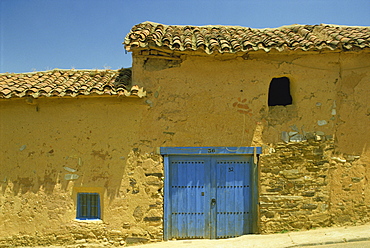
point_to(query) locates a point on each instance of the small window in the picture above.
(279, 92)
(88, 206)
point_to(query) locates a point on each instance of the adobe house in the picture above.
(214, 132)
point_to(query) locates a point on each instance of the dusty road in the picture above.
(361, 244)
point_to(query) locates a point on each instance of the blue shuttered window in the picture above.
(88, 206)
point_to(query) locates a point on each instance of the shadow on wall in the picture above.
(36, 178)
(22, 185)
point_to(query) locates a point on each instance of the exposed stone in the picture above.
(297, 224)
(277, 189)
(297, 138)
(352, 157)
(309, 193)
(291, 205)
(153, 218)
(322, 122)
(284, 198)
(356, 179)
(126, 225)
(115, 232)
(338, 159)
(320, 198)
(310, 136)
(293, 133)
(270, 214)
(133, 240)
(291, 174)
(318, 151)
(265, 204)
(313, 169)
(285, 137)
(80, 241)
(160, 175)
(309, 206)
(138, 213)
(320, 218)
(155, 182)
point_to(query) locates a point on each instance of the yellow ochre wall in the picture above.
(220, 100)
(95, 137)
(200, 101)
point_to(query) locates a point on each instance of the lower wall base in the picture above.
(76, 234)
(303, 185)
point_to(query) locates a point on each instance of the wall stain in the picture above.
(242, 107)
(100, 154)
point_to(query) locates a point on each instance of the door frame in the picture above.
(192, 151)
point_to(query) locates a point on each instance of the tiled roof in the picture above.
(59, 83)
(232, 39)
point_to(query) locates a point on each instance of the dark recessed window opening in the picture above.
(279, 92)
(88, 206)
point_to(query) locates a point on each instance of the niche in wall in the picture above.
(279, 92)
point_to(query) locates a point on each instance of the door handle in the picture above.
(213, 202)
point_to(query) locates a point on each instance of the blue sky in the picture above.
(38, 35)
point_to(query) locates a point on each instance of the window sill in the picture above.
(89, 221)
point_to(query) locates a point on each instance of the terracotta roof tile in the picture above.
(59, 83)
(230, 39)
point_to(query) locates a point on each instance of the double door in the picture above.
(209, 196)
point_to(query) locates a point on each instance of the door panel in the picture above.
(233, 197)
(189, 190)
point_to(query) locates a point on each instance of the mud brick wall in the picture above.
(132, 215)
(307, 184)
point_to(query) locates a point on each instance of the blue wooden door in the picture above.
(209, 196)
(189, 196)
(233, 196)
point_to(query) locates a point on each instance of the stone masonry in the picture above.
(305, 185)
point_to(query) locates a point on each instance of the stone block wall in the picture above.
(144, 198)
(306, 184)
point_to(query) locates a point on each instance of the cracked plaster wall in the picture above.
(44, 141)
(330, 95)
(200, 101)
